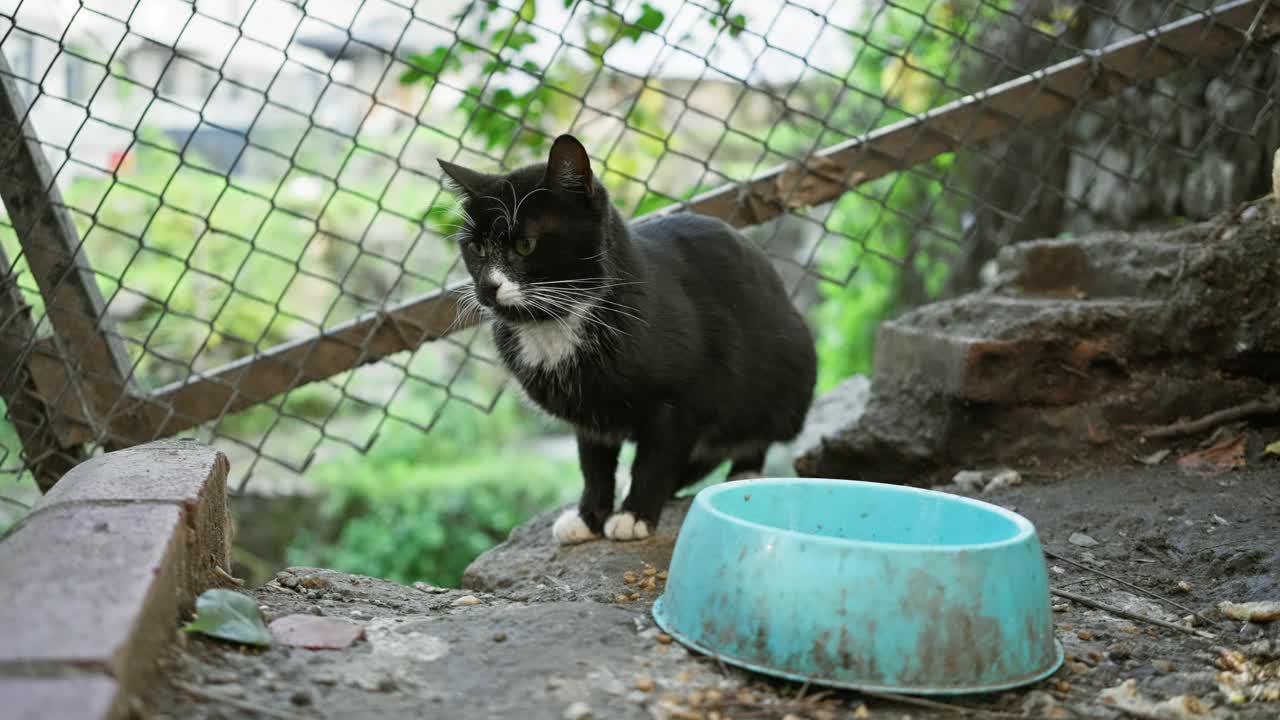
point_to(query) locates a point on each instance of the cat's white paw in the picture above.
(625, 526)
(570, 529)
(746, 475)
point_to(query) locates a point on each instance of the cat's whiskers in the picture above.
(515, 215)
(585, 313)
(582, 298)
(506, 211)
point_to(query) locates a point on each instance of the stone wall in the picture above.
(1181, 148)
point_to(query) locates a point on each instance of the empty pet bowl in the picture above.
(862, 585)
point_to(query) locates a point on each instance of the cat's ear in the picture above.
(467, 181)
(568, 167)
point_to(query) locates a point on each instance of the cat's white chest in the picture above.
(548, 345)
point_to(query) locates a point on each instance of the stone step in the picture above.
(995, 349)
(1102, 265)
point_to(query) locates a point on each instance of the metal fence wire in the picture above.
(225, 219)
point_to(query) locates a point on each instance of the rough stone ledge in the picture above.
(97, 576)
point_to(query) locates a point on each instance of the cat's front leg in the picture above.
(662, 457)
(599, 461)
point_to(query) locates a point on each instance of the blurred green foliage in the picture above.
(422, 506)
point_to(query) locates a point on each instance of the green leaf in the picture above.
(737, 24)
(229, 615)
(650, 18)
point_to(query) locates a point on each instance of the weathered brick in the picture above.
(91, 586)
(186, 473)
(59, 698)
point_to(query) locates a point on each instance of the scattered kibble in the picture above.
(648, 583)
(1062, 686)
(862, 711)
(634, 596)
(664, 638)
(662, 574)
(649, 570)
(714, 696)
(644, 683)
(629, 577)
(1095, 656)
(695, 699)
(621, 598)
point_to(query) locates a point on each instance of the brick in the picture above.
(186, 473)
(94, 587)
(59, 698)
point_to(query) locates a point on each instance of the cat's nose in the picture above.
(487, 290)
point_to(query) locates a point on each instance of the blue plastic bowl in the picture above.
(862, 585)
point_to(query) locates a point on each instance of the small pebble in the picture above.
(578, 711)
(714, 696)
(664, 638)
(1251, 631)
(301, 698)
(466, 601)
(1078, 667)
(862, 711)
(1095, 656)
(1081, 540)
(1119, 651)
(1184, 586)
(1084, 635)
(499, 637)
(1062, 686)
(1163, 666)
(644, 683)
(791, 716)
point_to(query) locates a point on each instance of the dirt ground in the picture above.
(545, 635)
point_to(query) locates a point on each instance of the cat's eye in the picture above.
(525, 244)
(477, 248)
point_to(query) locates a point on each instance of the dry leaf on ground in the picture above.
(1260, 611)
(1223, 456)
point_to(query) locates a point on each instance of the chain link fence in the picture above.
(224, 218)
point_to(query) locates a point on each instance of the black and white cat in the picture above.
(675, 333)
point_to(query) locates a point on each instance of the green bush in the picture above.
(412, 522)
(422, 506)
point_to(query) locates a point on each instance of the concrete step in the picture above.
(1103, 265)
(995, 349)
